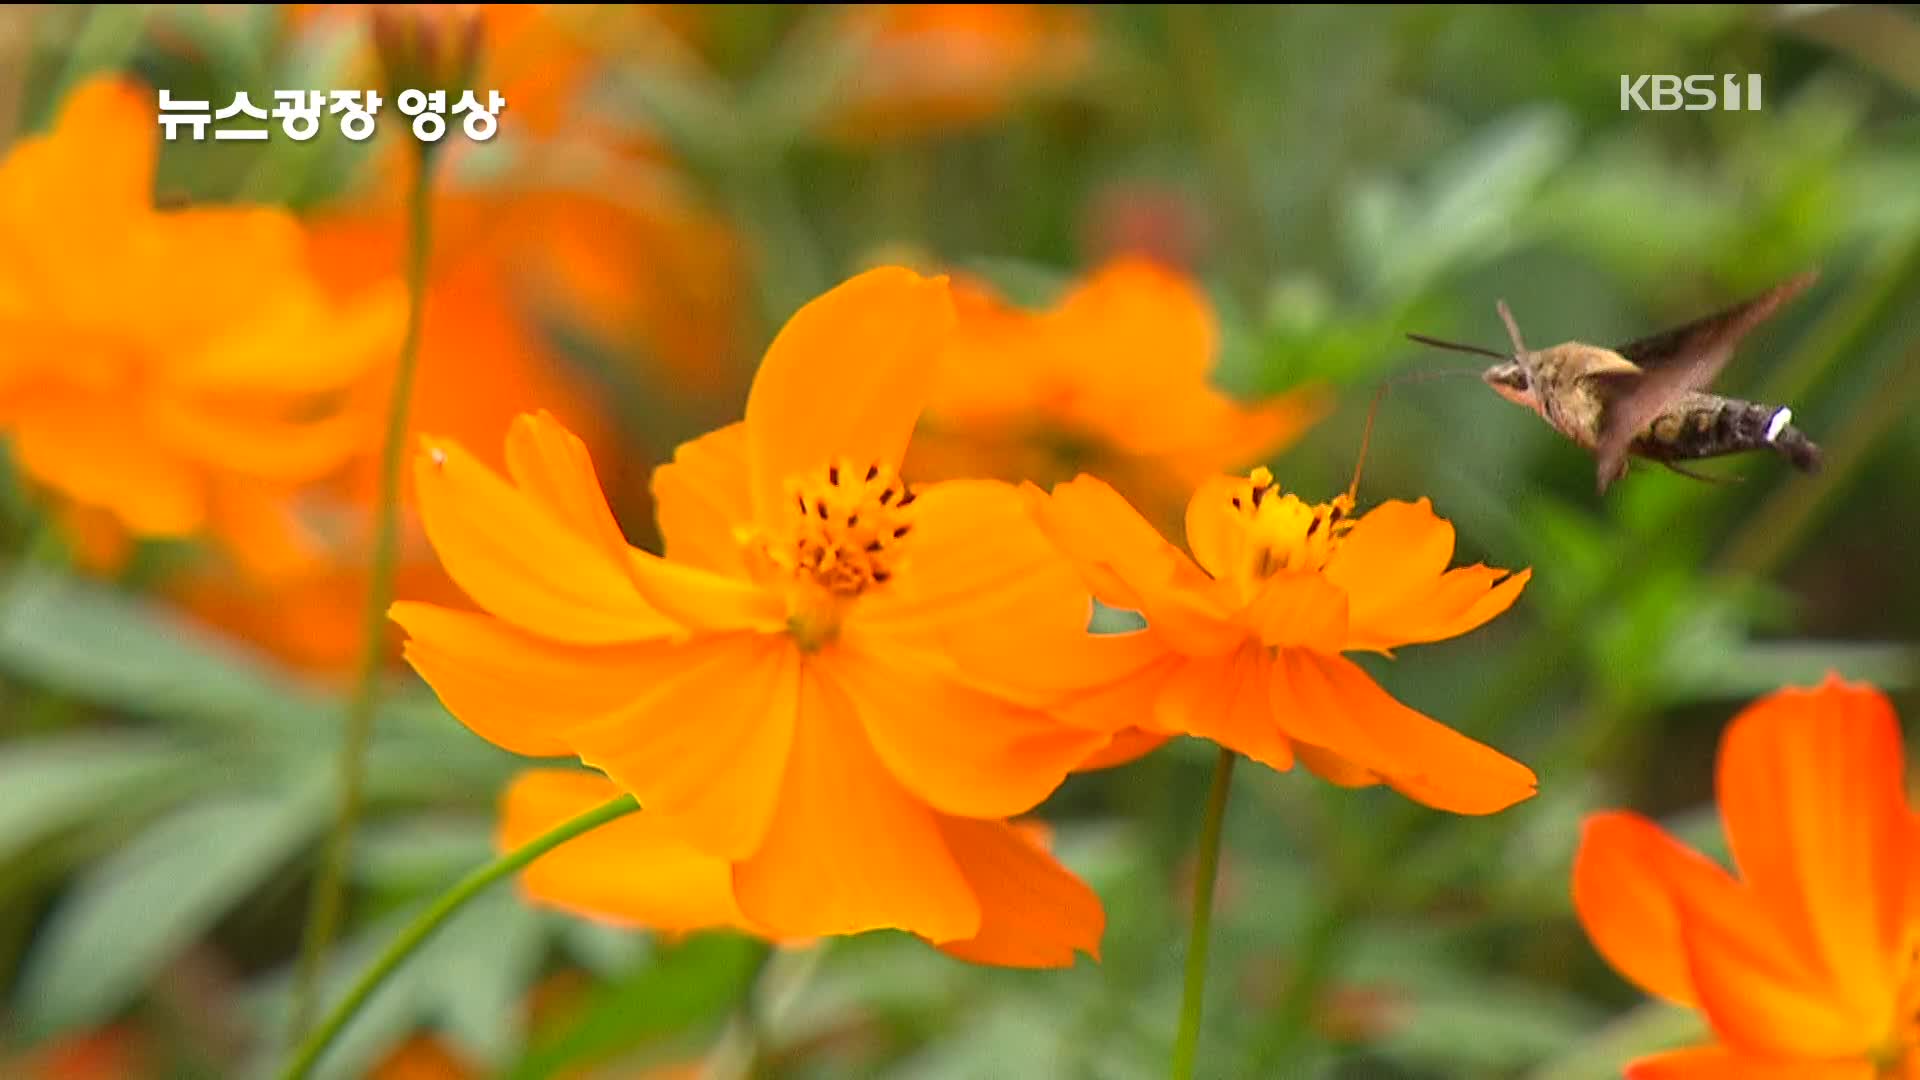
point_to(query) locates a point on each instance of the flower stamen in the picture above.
(843, 540)
(1280, 532)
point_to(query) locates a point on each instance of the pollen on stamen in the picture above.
(843, 539)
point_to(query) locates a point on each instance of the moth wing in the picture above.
(1675, 363)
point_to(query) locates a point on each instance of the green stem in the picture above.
(324, 915)
(742, 1047)
(1187, 1044)
(423, 926)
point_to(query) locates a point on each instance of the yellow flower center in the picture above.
(842, 537)
(1281, 532)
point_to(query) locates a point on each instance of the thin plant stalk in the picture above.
(423, 926)
(323, 918)
(1186, 1044)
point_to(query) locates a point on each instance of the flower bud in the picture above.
(427, 47)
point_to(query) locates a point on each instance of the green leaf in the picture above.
(52, 782)
(1480, 1025)
(109, 649)
(687, 984)
(136, 909)
(1602, 1054)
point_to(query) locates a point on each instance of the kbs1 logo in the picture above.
(1694, 93)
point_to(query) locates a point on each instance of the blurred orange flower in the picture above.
(1252, 629)
(1806, 965)
(181, 371)
(424, 1057)
(568, 214)
(115, 1052)
(926, 68)
(1113, 380)
(639, 872)
(830, 682)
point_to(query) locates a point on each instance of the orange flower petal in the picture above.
(1125, 704)
(1720, 1063)
(705, 601)
(1127, 745)
(100, 154)
(1758, 996)
(961, 750)
(1299, 609)
(1033, 912)
(702, 496)
(705, 743)
(508, 551)
(1333, 768)
(551, 465)
(217, 434)
(845, 378)
(848, 849)
(1462, 599)
(1812, 788)
(82, 450)
(1393, 566)
(516, 690)
(317, 347)
(984, 587)
(1128, 565)
(1217, 540)
(1624, 888)
(1759, 991)
(1330, 702)
(636, 871)
(261, 531)
(1225, 699)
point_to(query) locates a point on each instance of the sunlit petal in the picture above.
(1812, 788)
(848, 849)
(962, 751)
(708, 739)
(702, 499)
(635, 871)
(845, 378)
(510, 552)
(1033, 912)
(1329, 702)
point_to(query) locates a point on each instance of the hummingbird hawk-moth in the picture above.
(1649, 398)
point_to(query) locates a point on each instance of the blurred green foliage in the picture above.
(1354, 174)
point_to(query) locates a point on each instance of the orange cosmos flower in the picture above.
(574, 217)
(925, 68)
(831, 682)
(1114, 380)
(1253, 628)
(180, 371)
(1806, 964)
(640, 872)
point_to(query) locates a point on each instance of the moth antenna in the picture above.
(1513, 330)
(1456, 346)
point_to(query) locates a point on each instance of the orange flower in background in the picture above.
(926, 68)
(180, 371)
(1252, 629)
(567, 215)
(1806, 965)
(424, 1057)
(1114, 379)
(831, 682)
(639, 872)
